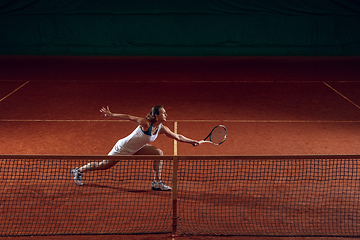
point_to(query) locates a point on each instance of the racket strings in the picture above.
(218, 135)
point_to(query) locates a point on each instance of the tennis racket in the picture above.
(217, 136)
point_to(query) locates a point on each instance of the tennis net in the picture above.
(212, 195)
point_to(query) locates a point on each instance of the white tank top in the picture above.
(135, 141)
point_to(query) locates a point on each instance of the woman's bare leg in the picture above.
(157, 164)
(93, 166)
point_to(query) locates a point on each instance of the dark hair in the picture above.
(154, 111)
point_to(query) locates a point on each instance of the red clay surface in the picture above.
(270, 105)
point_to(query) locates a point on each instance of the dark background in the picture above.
(181, 27)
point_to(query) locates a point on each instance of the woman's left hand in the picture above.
(106, 112)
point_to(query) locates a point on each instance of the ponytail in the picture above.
(151, 117)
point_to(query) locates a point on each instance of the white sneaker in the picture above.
(77, 176)
(159, 186)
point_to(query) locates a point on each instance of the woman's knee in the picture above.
(105, 164)
(159, 152)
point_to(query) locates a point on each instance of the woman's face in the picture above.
(162, 115)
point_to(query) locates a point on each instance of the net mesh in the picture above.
(39, 197)
(275, 197)
(216, 195)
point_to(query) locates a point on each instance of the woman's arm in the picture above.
(178, 137)
(141, 121)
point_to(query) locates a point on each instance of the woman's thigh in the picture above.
(149, 150)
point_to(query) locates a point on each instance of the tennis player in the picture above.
(137, 143)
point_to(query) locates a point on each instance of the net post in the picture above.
(174, 196)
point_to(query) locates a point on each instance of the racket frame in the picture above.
(209, 136)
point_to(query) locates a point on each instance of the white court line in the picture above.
(190, 121)
(175, 142)
(183, 81)
(58, 120)
(342, 95)
(13, 91)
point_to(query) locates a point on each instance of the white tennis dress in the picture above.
(135, 141)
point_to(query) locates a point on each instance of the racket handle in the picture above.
(200, 142)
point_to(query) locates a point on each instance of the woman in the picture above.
(137, 143)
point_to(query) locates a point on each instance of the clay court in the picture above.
(273, 107)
